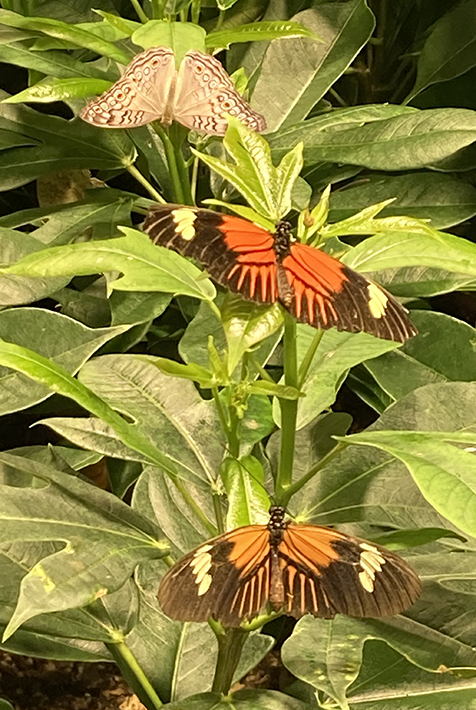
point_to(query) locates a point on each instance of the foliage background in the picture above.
(384, 107)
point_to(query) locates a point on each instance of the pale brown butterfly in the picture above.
(197, 95)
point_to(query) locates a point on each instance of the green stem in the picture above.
(196, 7)
(219, 23)
(308, 358)
(288, 411)
(134, 675)
(145, 183)
(140, 12)
(177, 136)
(194, 180)
(295, 487)
(230, 646)
(193, 505)
(218, 512)
(263, 372)
(171, 162)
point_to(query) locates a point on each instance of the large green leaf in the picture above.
(145, 266)
(364, 484)
(296, 74)
(102, 538)
(67, 342)
(409, 141)
(442, 351)
(444, 199)
(441, 58)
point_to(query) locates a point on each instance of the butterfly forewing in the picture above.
(205, 93)
(141, 95)
(326, 572)
(227, 577)
(327, 293)
(236, 253)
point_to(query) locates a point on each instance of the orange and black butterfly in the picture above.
(264, 267)
(284, 567)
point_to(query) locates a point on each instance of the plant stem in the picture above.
(171, 161)
(295, 487)
(230, 646)
(145, 183)
(134, 675)
(288, 411)
(177, 136)
(140, 12)
(308, 358)
(218, 512)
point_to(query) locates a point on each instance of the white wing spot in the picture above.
(185, 219)
(367, 581)
(204, 585)
(377, 301)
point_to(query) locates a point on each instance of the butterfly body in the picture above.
(295, 569)
(264, 267)
(197, 95)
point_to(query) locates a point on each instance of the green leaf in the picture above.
(328, 655)
(241, 700)
(365, 484)
(443, 199)
(60, 90)
(438, 250)
(52, 143)
(410, 141)
(65, 31)
(247, 497)
(441, 59)
(166, 410)
(179, 36)
(68, 343)
(51, 63)
(253, 172)
(246, 325)
(297, 73)
(256, 31)
(445, 474)
(46, 372)
(145, 266)
(336, 354)
(287, 173)
(192, 372)
(442, 351)
(103, 539)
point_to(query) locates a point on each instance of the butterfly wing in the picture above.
(140, 95)
(227, 578)
(313, 286)
(205, 92)
(325, 572)
(325, 293)
(236, 253)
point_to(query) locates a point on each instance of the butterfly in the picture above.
(295, 569)
(264, 267)
(197, 95)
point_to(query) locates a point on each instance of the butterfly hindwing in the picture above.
(141, 95)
